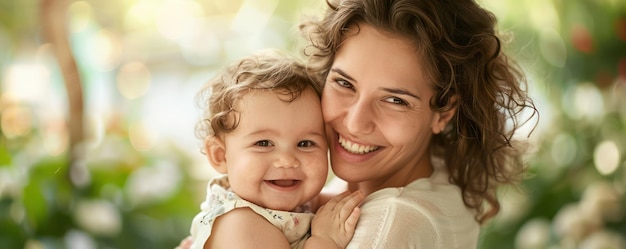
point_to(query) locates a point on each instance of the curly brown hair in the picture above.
(458, 44)
(265, 70)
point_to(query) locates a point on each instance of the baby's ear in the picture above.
(216, 153)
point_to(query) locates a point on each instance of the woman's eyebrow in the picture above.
(401, 91)
(342, 73)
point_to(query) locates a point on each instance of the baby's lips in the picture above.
(284, 183)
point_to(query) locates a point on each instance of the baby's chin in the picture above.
(297, 208)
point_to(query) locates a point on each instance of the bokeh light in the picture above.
(545, 15)
(34, 244)
(583, 101)
(27, 82)
(133, 80)
(563, 149)
(534, 234)
(202, 48)
(153, 183)
(108, 50)
(602, 200)
(16, 121)
(81, 15)
(176, 19)
(603, 239)
(141, 138)
(606, 157)
(571, 223)
(140, 15)
(9, 183)
(99, 217)
(55, 138)
(76, 239)
(552, 47)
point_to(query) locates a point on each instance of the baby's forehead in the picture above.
(265, 100)
(267, 108)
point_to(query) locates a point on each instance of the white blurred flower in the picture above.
(534, 234)
(514, 205)
(153, 183)
(34, 244)
(602, 200)
(9, 183)
(99, 217)
(603, 239)
(571, 223)
(75, 239)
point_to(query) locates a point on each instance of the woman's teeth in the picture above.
(356, 148)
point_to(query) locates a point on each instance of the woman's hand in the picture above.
(335, 222)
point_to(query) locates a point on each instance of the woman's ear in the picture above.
(216, 153)
(442, 118)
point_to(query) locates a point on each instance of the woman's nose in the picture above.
(286, 160)
(359, 118)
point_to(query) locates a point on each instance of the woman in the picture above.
(420, 106)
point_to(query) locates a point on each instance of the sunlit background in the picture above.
(135, 176)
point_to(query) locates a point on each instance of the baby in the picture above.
(263, 129)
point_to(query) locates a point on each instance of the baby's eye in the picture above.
(263, 143)
(306, 143)
(397, 101)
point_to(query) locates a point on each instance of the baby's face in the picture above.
(277, 156)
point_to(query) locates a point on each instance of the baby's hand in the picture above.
(185, 243)
(336, 221)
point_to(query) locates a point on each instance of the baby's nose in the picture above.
(286, 160)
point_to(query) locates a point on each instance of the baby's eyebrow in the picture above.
(401, 91)
(317, 134)
(260, 132)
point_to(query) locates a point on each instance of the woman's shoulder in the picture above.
(426, 213)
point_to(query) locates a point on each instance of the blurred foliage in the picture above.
(574, 53)
(137, 191)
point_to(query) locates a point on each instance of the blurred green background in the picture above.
(129, 173)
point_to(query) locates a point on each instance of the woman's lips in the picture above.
(356, 148)
(351, 152)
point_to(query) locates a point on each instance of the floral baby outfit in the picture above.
(220, 200)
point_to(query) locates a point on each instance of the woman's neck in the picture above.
(400, 179)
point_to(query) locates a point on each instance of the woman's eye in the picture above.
(344, 83)
(397, 101)
(306, 143)
(263, 143)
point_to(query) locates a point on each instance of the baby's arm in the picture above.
(335, 222)
(243, 228)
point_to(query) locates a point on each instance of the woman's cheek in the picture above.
(332, 104)
(327, 106)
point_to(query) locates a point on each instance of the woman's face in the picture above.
(376, 108)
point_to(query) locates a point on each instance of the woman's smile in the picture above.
(356, 148)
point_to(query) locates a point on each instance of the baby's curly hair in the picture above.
(266, 70)
(463, 59)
